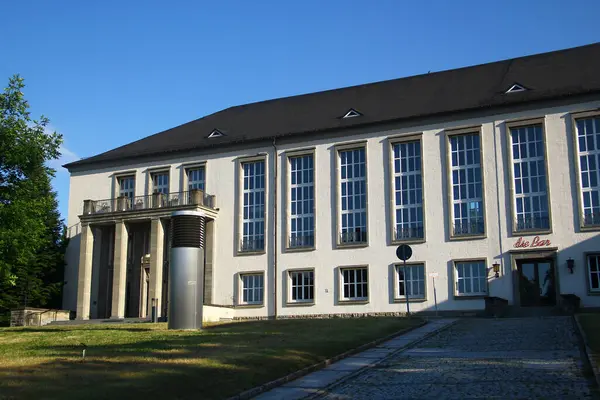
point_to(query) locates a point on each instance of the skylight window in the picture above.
(216, 133)
(516, 88)
(352, 113)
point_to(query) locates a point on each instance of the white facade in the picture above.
(438, 251)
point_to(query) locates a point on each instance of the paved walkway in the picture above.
(315, 382)
(527, 358)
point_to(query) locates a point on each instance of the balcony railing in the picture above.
(356, 237)
(591, 219)
(296, 242)
(468, 228)
(252, 244)
(406, 233)
(532, 223)
(155, 200)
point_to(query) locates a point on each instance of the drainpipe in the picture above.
(498, 198)
(275, 230)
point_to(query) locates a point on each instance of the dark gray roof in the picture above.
(551, 75)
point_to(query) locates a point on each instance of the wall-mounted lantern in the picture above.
(496, 266)
(570, 264)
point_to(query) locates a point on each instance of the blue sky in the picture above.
(107, 73)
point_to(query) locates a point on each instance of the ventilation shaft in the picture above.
(186, 270)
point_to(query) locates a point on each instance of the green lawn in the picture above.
(142, 361)
(590, 323)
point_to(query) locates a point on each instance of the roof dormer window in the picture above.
(215, 133)
(352, 113)
(516, 88)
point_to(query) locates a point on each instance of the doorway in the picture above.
(537, 282)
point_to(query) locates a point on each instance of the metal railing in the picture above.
(251, 244)
(468, 228)
(403, 233)
(154, 200)
(358, 236)
(301, 241)
(532, 223)
(591, 219)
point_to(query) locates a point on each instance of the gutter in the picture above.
(275, 229)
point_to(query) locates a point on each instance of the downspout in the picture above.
(498, 198)
(275, 230)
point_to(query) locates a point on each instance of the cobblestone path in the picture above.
(527, 358)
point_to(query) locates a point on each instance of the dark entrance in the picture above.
(536, 282)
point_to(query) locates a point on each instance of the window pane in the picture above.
(353, 213)
(253, 196)
(407, 190)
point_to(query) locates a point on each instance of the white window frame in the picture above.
(291, 243)
(589, 271)
(188, 181)
(476, 225)
(419, 235)
(471, 265)
(119, 178)
(257, 290)
(299, 288)
(156, 188)
(510, 126)
(400, 278)
(358, 281)
(359, 238)
(587, 220)
(262, 218)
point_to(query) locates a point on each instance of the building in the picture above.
(485, 168)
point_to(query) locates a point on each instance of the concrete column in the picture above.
(84, 280)
(157, 234)
(120, 271)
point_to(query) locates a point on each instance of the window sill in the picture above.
(589, 228)
(470, 297)
(250, 253)
(353, 302)
(299, 249)
(351, 245)
(468, 237)
(403, 300)
(261, 305)
(593, 293)
(532, 232)
(300, 304)
(408, 241)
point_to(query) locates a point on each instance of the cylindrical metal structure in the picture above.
(186, 270)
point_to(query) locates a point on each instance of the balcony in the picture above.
(150, 202)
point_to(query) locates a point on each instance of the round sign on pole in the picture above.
(404, 252)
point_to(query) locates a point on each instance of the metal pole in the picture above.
(153, 318)
(435, 297)
(405, 291)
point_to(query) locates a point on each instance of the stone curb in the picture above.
(592, 359)
(323, 391)
(248, 394)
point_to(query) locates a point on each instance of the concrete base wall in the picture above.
(37, 316)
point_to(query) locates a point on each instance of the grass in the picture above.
(141, 361)
(590, 323)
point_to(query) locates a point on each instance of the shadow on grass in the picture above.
(215, 363)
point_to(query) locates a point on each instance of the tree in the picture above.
(31, 233)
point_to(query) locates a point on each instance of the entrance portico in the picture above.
(123, 257)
